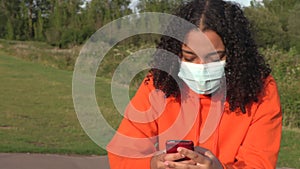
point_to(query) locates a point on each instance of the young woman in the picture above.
(183, 103)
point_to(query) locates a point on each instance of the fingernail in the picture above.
(179, 149)
(166, 163)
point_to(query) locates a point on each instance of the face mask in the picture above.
(202, 78)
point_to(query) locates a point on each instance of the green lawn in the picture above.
(289, 155)
(37, 114)
(36, 110)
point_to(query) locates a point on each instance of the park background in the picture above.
(41, 39)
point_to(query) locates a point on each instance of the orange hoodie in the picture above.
(250, 140)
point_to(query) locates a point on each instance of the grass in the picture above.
(42, 53)
(289, 155)
(36, 110)
(37, 114)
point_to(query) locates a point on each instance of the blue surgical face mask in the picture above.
(202, 78)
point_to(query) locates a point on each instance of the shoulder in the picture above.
(269, 100)
(269, 80)
(141, 99)
(270, 89)
(146, 86)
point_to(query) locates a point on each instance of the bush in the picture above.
(286, 70)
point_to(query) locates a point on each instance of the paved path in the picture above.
(50, 161)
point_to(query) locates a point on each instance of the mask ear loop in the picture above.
(215, 113)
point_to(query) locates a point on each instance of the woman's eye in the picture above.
(212, 58)
(188, 56)
(189, 59)
(222, 55)
(215, 57)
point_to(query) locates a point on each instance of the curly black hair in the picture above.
(246, 69)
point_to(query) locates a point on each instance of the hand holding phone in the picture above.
(172, 145)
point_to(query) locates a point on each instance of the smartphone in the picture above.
(172, 145)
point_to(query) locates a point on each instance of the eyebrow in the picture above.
(188, 52)
(207, 55)
(214, 53)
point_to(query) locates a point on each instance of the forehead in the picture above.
(203, 42)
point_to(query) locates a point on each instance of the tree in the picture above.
(9, 31)
(24, 26)
(63, 22)
(53, 32)
(3, 19)
(41, 10)
(165, 6)
(118, 8)
(280, 8)
(95, 13)
(102, 12)
(294, 27)
(39, 28)
(266, 27)
(23, 15)
(10, 24)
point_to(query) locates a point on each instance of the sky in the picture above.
(242, 2)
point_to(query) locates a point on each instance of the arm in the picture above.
(134, 142)
(262, 142)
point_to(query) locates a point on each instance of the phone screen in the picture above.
(172, 145)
